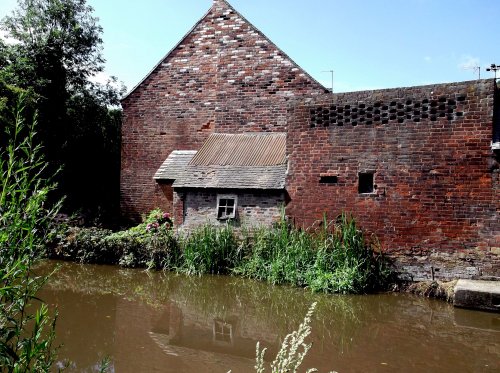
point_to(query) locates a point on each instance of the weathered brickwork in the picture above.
(430, 177)
(224, 76)
(195, 207)
(435, 202)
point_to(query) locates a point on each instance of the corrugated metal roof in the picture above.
(245, 149)
(175, 165)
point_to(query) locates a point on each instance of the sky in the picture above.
(369, 44)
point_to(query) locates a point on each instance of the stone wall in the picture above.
(194, 207)
(224, 76)
(436, 198)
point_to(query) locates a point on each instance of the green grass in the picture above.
(337, 258)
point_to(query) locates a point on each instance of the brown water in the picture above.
(156, 322)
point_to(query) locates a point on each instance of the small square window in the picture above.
(365, 185)
(226, 206)
(222, 332)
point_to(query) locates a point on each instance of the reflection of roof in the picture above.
(174, 165)
(239, 161)
(208, 358)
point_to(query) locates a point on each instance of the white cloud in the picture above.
(467, 62)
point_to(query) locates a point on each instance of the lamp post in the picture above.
(494, 68)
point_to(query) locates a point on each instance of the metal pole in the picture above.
(331, 72)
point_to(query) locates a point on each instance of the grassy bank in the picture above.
(336, 258)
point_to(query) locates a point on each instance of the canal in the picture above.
(163, 322)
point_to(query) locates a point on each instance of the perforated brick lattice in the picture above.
(397, 111)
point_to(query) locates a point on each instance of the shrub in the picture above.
(336, 258)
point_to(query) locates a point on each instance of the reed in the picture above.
(209, 250)
(336, 258)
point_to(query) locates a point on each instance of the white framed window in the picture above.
(226, 206)
(222, 332)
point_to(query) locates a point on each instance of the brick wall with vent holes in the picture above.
(425, 152)
(225, 76)
(195, 207)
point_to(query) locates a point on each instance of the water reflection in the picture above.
(154, 322)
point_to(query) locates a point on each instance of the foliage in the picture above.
(337, 259)
(139, 246)
(209, 250)
(26, 329)
(56, 54)
(293, 349)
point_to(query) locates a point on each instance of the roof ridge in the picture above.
(214, 3)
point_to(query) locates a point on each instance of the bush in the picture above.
(150, 244)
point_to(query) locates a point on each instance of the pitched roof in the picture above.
(174, 165)
(230, 161)
(248, 149)
(215, 4)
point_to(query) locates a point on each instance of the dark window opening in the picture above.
(329, 180)
(365, 183)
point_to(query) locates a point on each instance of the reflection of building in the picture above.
(189, 341)
(198, 331)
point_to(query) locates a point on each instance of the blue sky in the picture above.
(369, 44)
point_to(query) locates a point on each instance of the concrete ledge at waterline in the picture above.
(477, 294)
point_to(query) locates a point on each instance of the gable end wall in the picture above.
(224, 76)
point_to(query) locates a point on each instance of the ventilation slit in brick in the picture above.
(329, 180)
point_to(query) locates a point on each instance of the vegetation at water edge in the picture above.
(337, 258)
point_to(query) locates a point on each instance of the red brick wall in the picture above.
(224, 76)
(437, 198)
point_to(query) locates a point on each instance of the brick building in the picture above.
(417, 166)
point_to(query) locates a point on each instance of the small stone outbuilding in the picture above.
(237, 178)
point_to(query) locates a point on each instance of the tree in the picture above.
(58, 50)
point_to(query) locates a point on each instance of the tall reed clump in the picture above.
(209, 249)
(337, 258)
(293, 349)
(278, 255)
(26, 329)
